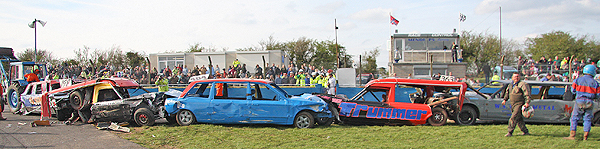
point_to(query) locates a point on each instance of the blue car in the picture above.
(245, 101)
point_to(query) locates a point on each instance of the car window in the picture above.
(107, 95)
(28, 90)
(263, 92)
(54, 86)
(375, 95)
(234, 91)
(38, 89)
(200, 90)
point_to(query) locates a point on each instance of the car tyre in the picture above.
(171, 119)
(63, 114)
(324, 121)
(438, 117)
(596, 119)
(77, 100)
(304, 120)
(143, 117)
(467, 116)
(185, 117)
(12, 98)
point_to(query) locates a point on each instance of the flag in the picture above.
(32, 24)
(393, 20)
(42, 22)
(462, 17)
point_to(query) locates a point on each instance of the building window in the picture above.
(171, 61)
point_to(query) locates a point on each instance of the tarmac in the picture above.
(17, 132)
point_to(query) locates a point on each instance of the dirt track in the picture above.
(16, 132)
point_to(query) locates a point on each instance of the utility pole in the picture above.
(337, 50)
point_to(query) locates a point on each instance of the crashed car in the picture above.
(395, 101)
(31, 98)
(143, 109)
(80, 97)
(552, 101)
(245, 101)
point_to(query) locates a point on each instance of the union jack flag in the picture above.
(394, 21)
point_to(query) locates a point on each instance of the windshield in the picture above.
(280, 90)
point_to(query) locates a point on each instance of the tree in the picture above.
(82, 56)
(369, 61)
(562, 44)
(135, 59)
(198, 48)
(43, 56)
(480, 49)
(316, 53)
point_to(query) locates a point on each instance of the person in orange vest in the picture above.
(32, 77)
(1, 104)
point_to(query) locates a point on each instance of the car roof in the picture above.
(401, 81)
(118, 82)
(540, 83)
(234, 80)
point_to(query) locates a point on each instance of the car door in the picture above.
(197, 100)
(495, 109)
(552, 108)
(268, 105)
(233, 105)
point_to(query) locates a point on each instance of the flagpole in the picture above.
(35, 40)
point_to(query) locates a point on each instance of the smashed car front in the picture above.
(312, 103)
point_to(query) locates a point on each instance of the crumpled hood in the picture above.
(307, 98)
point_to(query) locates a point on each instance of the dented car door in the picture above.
(229, 107)
(268, 106)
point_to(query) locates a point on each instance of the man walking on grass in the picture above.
(586, 90)
(520, 95)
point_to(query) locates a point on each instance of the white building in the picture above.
(222, 59)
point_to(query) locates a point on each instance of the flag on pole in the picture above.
(394, 21)
(42, 22)
(462, 17)
(32, 24)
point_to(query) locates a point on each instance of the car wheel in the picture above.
(171, 119)
(596, 119)
(144, 117)
(304, 120)
(63, 114)
(438, 117)
(467, 116)
(76, 100)
(324, 121)
(185, 117)
(13, 98)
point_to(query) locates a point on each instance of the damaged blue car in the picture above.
(245, 101)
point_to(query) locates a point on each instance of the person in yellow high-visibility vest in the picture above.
(300, 78)
(162, 83)
(314, 79)
(495, 77)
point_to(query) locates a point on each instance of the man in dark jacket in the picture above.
(519, 94)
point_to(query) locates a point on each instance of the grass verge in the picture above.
(336, 136)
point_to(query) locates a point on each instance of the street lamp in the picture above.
(34, 26)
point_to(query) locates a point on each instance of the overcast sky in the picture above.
(157, 26)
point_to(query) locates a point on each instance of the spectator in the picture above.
(162, 83)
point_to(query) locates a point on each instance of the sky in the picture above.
(151, 26)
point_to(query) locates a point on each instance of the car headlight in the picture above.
(179, 105)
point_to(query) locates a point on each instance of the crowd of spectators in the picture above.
(280, 74)
(549, 67)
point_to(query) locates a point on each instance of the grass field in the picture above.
(336, 136)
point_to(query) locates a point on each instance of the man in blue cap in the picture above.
(586, 90)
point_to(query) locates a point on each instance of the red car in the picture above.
(395, 101)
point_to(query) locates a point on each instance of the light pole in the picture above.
(34, 26)
(337, 51)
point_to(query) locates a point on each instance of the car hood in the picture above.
(307, 98)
